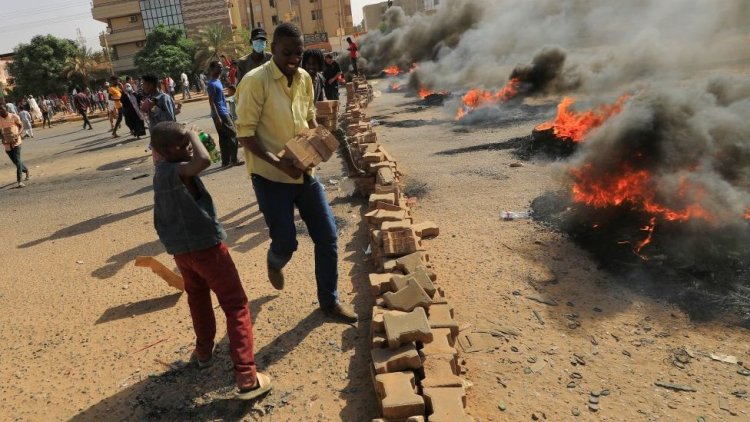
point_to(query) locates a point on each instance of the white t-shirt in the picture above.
(184, 78)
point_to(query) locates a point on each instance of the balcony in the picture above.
(122, 37)
(106, 9)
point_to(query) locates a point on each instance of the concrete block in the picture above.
(388, 207)
(440, 371)
(446, 405)
(380, 283)
(372, 157)
(410, 419)
(441, 316)
(409, 263)
(407, 298)
(390, 266)
(388, 189)
(378, 325)
(395, 225)
(385, 176)
(398, 397)
(405, 328)
(399, 242)
(377, 217)
(396, 360)
(426, 229)
(397, 282)
(441, 344)
(388, 198)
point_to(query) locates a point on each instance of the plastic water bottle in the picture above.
(210, 145)
(511, 215)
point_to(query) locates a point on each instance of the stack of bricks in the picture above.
(415, 365)
(326, 114)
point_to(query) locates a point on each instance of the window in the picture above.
(258, 24)
(275, 20)
(133, 18)
(317, 14)
(161, 12)
(272, 3)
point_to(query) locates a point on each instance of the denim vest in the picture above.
(184, 224)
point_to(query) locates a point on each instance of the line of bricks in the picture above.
(415, 366)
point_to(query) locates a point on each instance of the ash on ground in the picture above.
(703, 270)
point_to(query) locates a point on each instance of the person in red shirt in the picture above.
(354, 54)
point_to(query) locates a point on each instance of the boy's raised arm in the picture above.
(201, 159)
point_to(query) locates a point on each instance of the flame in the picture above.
(395, 86)
(637, 189)
(476, 98)
(573, 125)
(649, 229)
(392, 70)
(424, 92)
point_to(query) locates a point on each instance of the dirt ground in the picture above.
(86, 336)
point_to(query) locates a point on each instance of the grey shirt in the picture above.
(247, 63)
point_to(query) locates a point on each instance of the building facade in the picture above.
(129, 21)
(373, 13)
(325, 23)
(6, 79)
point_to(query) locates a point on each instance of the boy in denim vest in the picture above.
(185, 219)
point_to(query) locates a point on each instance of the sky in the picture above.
(24, 19)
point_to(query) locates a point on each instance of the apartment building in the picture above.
(373, 13)
(129, 21)
(324, 23)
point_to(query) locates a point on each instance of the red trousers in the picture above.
(209, 270)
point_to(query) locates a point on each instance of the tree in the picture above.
(38, 66)
(82, 64)
(167, 52)
(213, 41)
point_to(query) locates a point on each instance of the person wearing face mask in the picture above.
(257, 57)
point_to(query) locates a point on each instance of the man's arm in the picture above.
(17, 121)
(201, 159)
(214, 111)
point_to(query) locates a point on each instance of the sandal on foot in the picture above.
(262, 386)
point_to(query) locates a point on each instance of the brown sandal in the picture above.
(262, 386)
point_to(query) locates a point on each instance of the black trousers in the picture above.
(119, 120)
(332, 91)
(227, 140)
(355, 67)
(86, 121)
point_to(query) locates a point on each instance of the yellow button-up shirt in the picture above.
(273, 112)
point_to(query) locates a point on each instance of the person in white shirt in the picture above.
(185, 85)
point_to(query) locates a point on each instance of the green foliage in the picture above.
(80, 65)
(38, 66)
(167, 52)
(213, 41)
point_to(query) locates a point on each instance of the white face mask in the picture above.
(259, 46)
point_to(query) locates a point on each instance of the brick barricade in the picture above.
(415, 367)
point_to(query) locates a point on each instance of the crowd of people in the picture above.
(271, 99)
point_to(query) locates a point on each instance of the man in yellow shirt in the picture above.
(274, 103)
(115, 94)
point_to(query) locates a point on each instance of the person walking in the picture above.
(83, 104)
(331, 73)
(131, 111)
(275, 103)
(220, 115)
(185, 85)
(10, 129)
(115, 94)
(44, 109)
(157, 105)
(353, 54)
(28, 128)
(257, 57)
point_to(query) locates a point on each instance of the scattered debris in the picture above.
(575, 412)
(140, 176)
(675, 387)
(538, 317)
(542, 298)
(724, 358)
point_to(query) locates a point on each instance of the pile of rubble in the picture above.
(415, 362)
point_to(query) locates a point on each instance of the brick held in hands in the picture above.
(398, 397)
(396, 360)
(446, 404)
(405, 328)
(311, 147)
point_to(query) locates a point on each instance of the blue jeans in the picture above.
(15, 156)
(277, 201)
